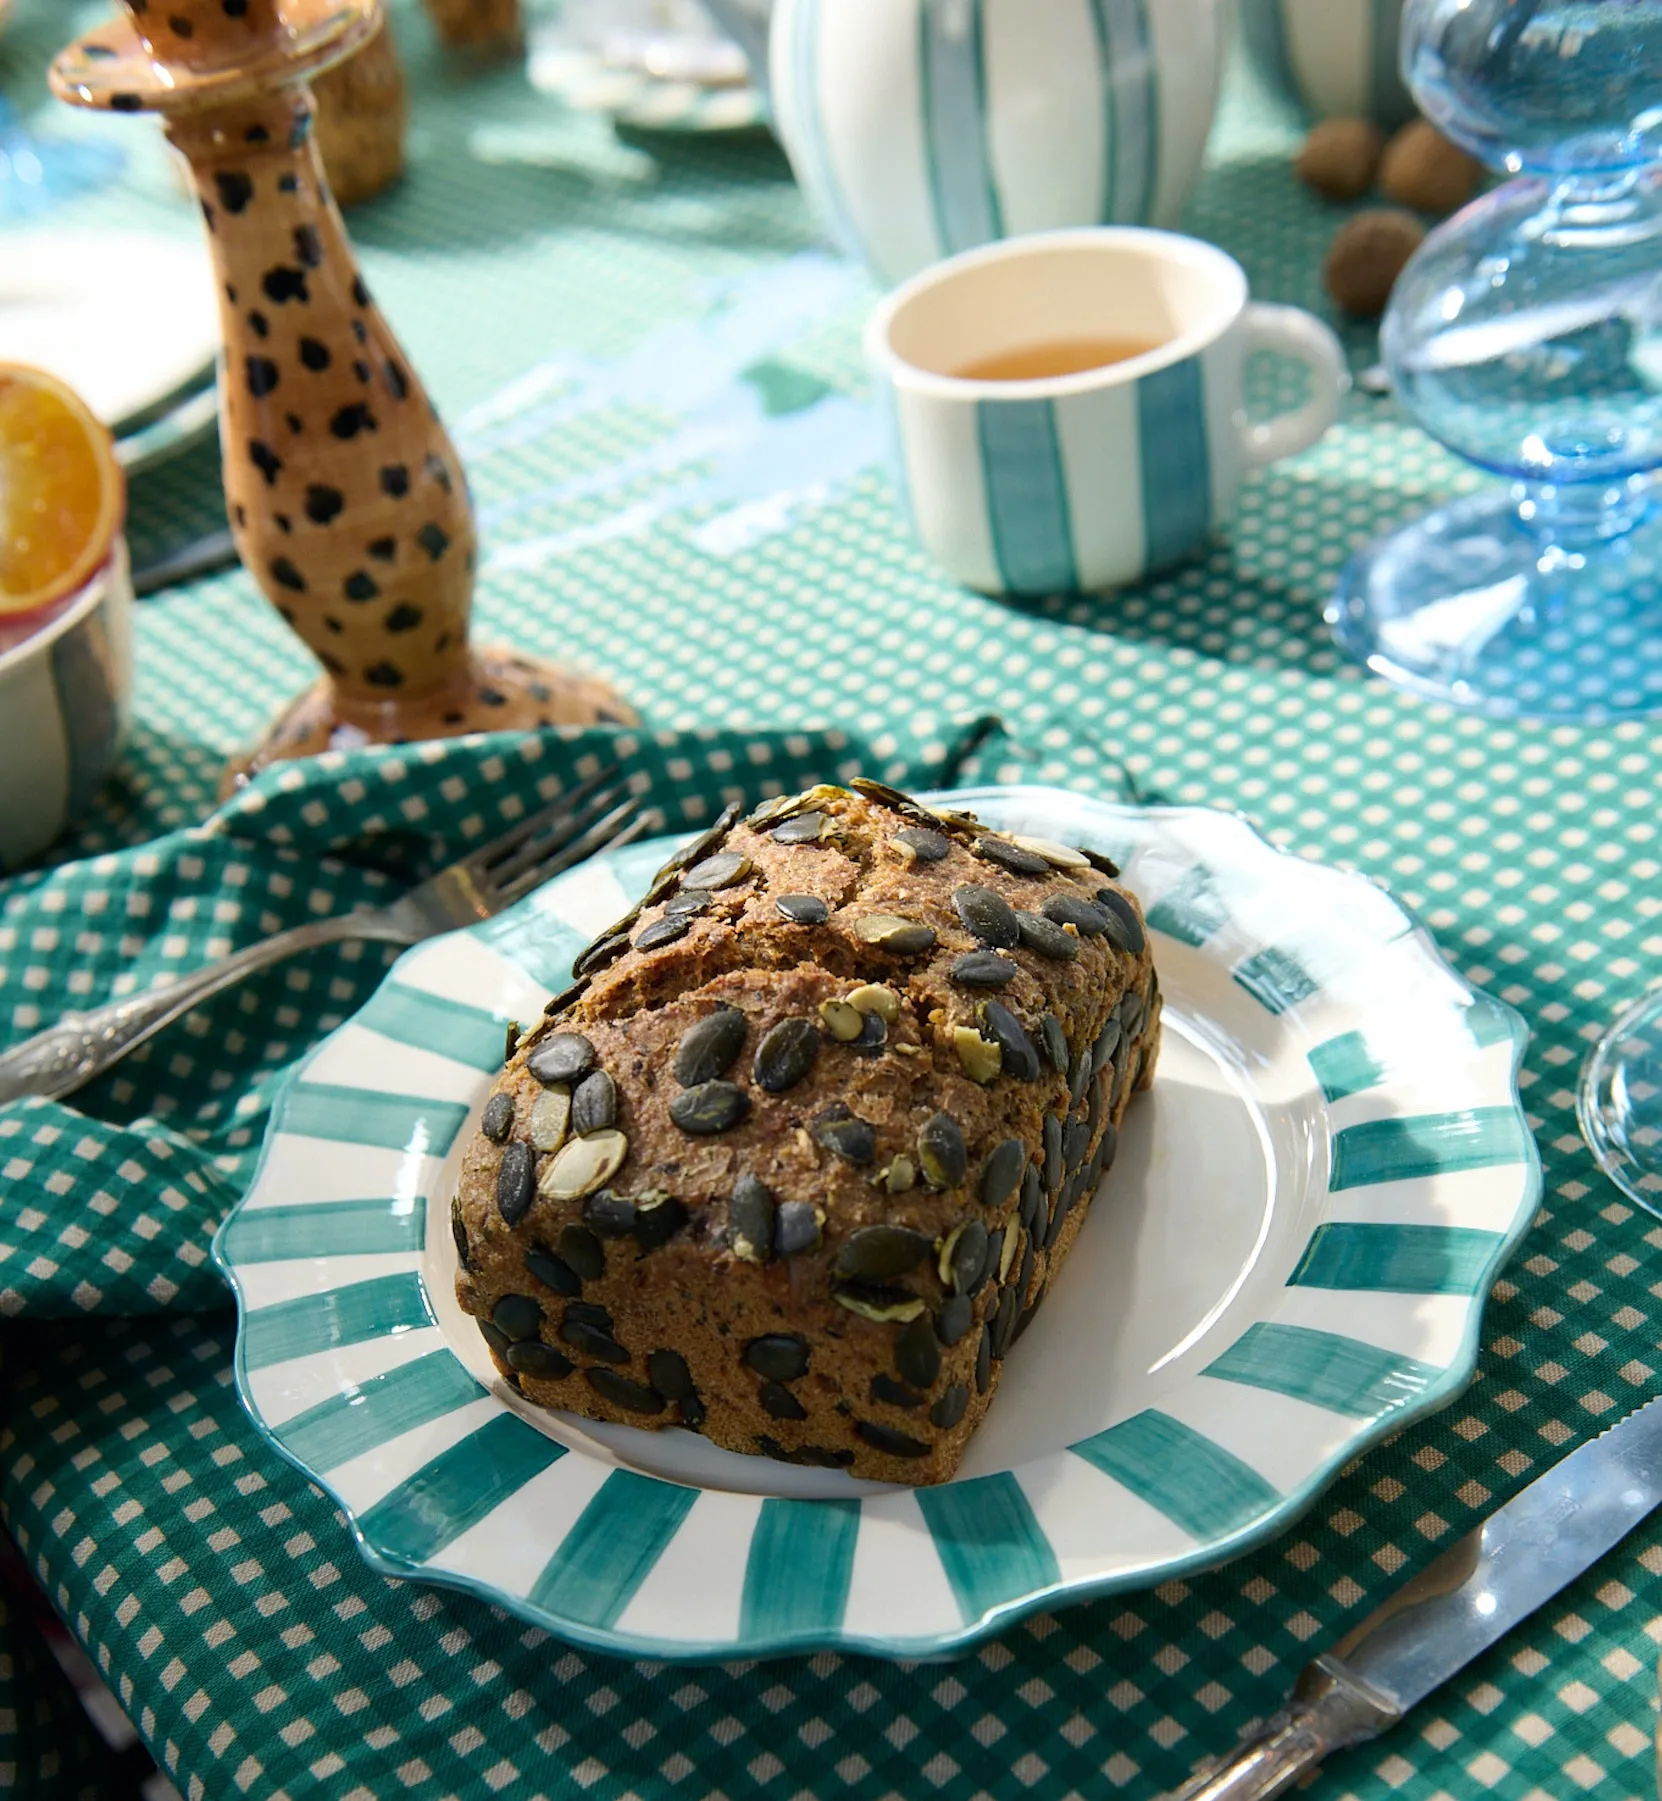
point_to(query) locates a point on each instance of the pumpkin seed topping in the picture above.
(582, 1165)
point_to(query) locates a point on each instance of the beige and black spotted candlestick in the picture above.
(346, 497)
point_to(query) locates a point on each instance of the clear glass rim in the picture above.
(1611, 1151)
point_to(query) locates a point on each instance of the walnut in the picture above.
(1340, 157)
(1422, 169)
(1367, 256)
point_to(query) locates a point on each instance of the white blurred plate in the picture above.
(129, 320)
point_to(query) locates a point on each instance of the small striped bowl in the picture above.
(1289, 1261)
(1333, 58)
(65, 693)
(919, 128)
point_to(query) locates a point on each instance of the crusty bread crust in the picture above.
(783, 1241)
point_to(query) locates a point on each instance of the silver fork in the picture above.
(83, 1045)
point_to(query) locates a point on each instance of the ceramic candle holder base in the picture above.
(347, 500)
(499, 691)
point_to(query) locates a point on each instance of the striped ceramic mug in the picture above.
(1086, 480)
(918, 128)
(65, 701)
(1336, 58)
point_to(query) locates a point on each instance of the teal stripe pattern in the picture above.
(343, 1316)
(1134, 117)
(1264, 34)
(1347, 1254)
(1190, 910)
(1200, 1487)
(1344, 1066)
(1106, 72)
(818, 172)
(1028, 514)
(991, 1546)
(1276, 979)
(952, 99)
(541, 945)
(457, 1489)
(1176, 465)
(800, 1564)
(1427, 1144)
(383, 1408)
(451, 1028)
(610, 1551)
(1489, 1023)
(326, 1229)
(393, 1122)
(1339, 1374)
(1389, 100)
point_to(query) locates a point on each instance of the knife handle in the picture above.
(1331, 1710)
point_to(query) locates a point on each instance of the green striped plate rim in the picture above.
(345, 1364)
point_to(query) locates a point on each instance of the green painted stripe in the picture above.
(990, 1545)
(1429, 1144)
(322, 1322)
(609, 1553)
(1276, 979)
(1489, 1022)
(1191, 911)
(1029, 514)
(457, 1489)
(347, 1425)
(1106, 66)
(1344, 1065)
(1389, 100)
(797, 1574)
(1264, 33)
(453, 1029)
(952, 107)
(395, 1122)
(543, 946)
(1175, 472)
(1327, 1370)
(326, 1229)
(1199, 1486)
(1398, 1259)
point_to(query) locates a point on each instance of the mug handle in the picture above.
(1290, 331)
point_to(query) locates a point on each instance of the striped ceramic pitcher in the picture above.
(919, 128)
(1333, 57)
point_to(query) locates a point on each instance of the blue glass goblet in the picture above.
(1526, 335)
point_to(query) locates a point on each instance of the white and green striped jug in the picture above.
(919, 128)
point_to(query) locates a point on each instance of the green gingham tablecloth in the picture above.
(652, 368)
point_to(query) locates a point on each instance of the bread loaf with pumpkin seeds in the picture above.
(797, 1157)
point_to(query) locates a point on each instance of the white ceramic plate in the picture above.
(129, 320)
(1289, 1260)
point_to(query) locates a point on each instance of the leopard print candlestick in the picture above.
(347, 500)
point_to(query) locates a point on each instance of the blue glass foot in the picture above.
(1620, 1102)
(37, 174)
(1485, 604)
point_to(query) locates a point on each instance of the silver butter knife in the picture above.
(1474, 1594)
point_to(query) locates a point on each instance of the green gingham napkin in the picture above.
(112, 1195)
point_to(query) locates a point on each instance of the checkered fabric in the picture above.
(654, 374)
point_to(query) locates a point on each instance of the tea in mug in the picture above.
(1061, 356)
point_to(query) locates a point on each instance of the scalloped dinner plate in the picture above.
(1288, 1260)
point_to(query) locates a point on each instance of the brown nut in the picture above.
(1340, 157)
(1422, 169)
(1367, 256)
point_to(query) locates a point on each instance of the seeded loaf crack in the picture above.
(796, 1159)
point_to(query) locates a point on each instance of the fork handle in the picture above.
(82, 1045)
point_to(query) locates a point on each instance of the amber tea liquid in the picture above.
(1061, 356)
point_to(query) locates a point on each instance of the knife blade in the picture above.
(1456, 1608)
